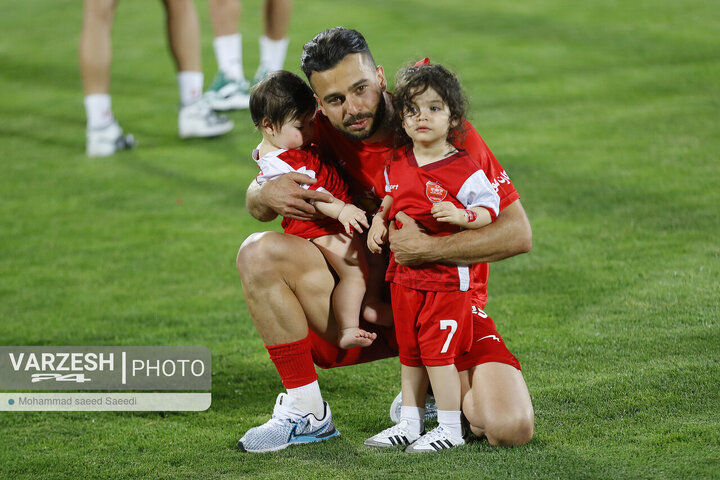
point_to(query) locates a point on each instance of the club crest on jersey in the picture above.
(435, 192)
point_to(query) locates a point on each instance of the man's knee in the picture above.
(257, 255)
(510, 430)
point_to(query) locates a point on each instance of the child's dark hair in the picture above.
(415, 81)
(330, 47)
(279, 97)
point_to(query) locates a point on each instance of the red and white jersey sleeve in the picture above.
(475, 146)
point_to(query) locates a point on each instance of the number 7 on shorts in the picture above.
(444, 325)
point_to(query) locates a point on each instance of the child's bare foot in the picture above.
(377, 312)
(355, 337)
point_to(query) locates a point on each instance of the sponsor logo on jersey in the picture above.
(502, 178)
(435, 192)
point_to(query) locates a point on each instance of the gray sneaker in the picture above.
(288, 426)
(430, 408)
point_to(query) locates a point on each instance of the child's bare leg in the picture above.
(445, 381)
(414, 386)
(375, 310)
(341, 251)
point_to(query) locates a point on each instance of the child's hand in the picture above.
(377, 236)
(448, 213)
(352, 217)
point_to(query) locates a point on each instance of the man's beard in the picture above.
(377, 121)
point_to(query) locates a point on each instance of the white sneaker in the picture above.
(228, 94)
(396, 405)
(435, 440)
(288, 426)
(102, 142)
(199, 120)
(399, 434)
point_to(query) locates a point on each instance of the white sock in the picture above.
(415, 416)
(190, 85)
(228, 53)
(450, 421)
(272, 53)
(98, 109)
(308, 399)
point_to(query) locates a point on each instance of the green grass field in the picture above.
(606, 116)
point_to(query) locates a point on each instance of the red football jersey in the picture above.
(415, 189)
(362, 166)
(306, 161)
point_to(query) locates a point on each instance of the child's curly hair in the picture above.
(414, 81)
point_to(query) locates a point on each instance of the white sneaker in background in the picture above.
(199, 120)
(102, 142)
(396, 405)
(228, 94)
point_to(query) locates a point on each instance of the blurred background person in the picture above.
(230, 89)
(195, 117)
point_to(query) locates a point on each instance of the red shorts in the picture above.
(484, 349)
(432, 328)
(487, 345)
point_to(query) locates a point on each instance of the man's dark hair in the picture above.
(328, 48)
(279, 97)
(415, 81)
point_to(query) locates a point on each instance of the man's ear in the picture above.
(319, 103)
(380, 71)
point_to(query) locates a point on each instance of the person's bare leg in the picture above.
(287, 286)
(344, 253)
(225, 17)
(183, 30)
(277, 18)
(274, 41)
(498, 404)
(446, 387)
(374, 309)
(414, 386)
(95, 50)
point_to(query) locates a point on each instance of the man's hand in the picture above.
(287, 198)
(509, 235)
(410, 244)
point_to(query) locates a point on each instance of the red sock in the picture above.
(293, 362)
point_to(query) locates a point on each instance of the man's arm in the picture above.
(284, 196)
(509, 235)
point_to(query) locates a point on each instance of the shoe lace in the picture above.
(437, 433)
(282, 414)
(397, 429)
